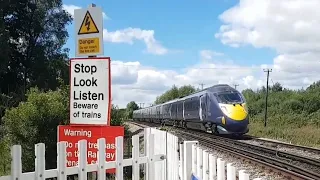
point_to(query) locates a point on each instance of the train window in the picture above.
(229, 98)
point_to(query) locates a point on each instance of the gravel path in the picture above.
(134, 129)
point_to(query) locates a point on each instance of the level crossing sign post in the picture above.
(90, 90)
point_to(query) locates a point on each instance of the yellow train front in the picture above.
(234, 118)
(219, 109)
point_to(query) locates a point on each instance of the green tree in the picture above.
(117, 116)
(276, 87)
(131, 106)
(186, 90)
(174, 93)
(32, 36)
(35, 121)
(314, 86)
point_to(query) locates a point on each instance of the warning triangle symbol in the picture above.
(88, 26)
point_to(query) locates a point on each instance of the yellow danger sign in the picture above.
(88, 46)
(88, 26)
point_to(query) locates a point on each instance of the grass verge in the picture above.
(308, 135)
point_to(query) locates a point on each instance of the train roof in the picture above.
(214, 89)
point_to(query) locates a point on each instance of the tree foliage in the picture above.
(32, 35)
(117, 115)
(131, 106)
(174, 93)
(35, 121)
(286, 106)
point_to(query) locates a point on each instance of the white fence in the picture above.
(165, 143)
(100, 167)
(160, 156)
(199, 164)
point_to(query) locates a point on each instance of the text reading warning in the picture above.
(89, 91)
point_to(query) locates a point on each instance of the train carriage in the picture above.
(219, 109)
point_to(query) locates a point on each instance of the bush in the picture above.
(292, 115)
(36, 121)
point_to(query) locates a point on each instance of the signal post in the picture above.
(90, 91)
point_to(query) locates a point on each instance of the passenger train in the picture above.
(219, 109)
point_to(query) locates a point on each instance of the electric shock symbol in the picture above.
(87, 23)
(88, 26)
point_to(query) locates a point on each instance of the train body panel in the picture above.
(219, 108)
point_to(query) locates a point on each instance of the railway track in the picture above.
(294, 166)
(290, 165)
(309, 151)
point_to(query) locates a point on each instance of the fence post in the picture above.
(243, 175)
(119, 158)
(40, 161)
(231, 172)
(205, 168)
(212, 167)
(199, 162)
(146, 153)
(150, 165)
(181, 168)
(82, 158)
(16, 165)
(62, 160)
(101, 159)
(221, 175)
(135, 158)
(188, 158)
(194, 159)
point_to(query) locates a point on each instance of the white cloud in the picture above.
(209, 54)
(128, 35)
(143, 84)
(70, 9)
(291, 27)
(286, 25)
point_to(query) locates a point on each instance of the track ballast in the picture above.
(290, 165)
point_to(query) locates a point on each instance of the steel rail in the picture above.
(284, 167)
(305, 148)
(289, 169)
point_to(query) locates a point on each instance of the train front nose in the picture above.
(235, 119)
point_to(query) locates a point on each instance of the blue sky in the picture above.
(185, 28)
(145, 39)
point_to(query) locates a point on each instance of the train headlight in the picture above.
(223, 120)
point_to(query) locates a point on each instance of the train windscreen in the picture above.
(229, 98)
